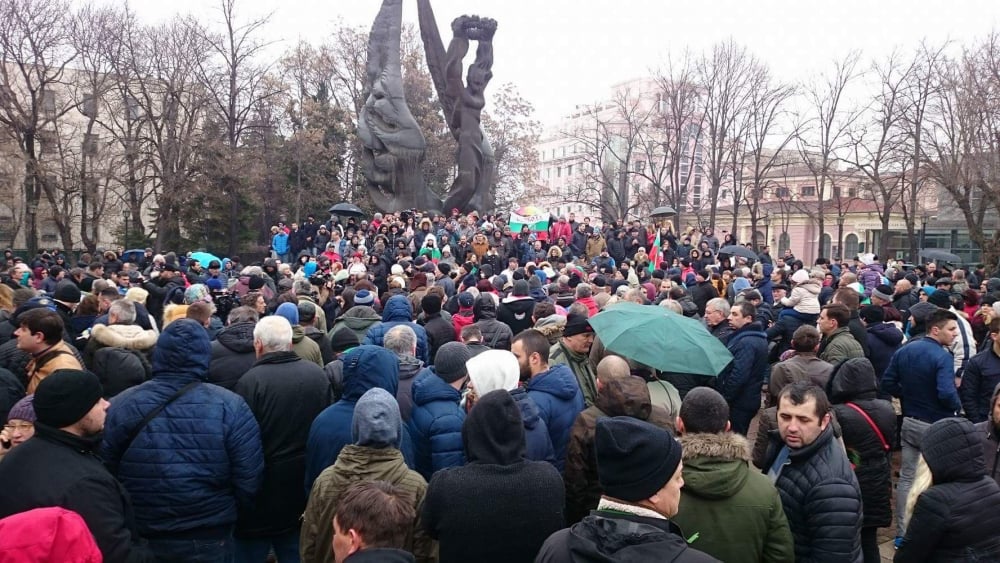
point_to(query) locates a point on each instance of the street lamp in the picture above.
(923, 233)
(766, 219)
(840, 234)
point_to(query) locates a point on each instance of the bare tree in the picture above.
(234, 81)
(824, 130)
(726, 75)
(513, 134)
(35, 50)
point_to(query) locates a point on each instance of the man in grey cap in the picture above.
(59, 466)
(437, 416)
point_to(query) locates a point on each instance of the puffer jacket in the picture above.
(198, 461)
(355, 464)
(840, 346)
(398, 311)
(870, 277)
(982, 375)
(736, 512)
(119, 369)
(496, 334)
(232, 354)
(608, 536)
(129, 337)
(436, 424)
(804, 297)
(990, 435)
(47, 534)
(365, 367)
(559, 401)
(956, 519)
(627, 396)
(740, 383)
(358, 319)
(538, 444)
(853, 381)
(821, 498)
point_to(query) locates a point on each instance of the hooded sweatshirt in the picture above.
(499, 507)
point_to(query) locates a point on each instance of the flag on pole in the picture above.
(536, 219)
(654, 254)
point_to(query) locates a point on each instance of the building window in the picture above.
(784, 243)
(783, 192)
(91, 144)
(6, 227)
(852, 192)
(825, 245)
(639, 166)
(49, 103)
(808, 191)
(88, 106)
(48, 231)
(133, 111)
(558, 171)
(564, 151)
(850, 246)
(569, 170)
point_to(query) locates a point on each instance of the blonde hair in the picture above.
(6, 298)
(172, 312)
(922, 481)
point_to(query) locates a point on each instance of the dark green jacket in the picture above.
(735, 511)
(581, 366)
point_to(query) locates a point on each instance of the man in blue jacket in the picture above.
(195, 463)
(396, 311)
(741, 382)
(436, 419)
(365, 367)
(922, 375)
(555, 390)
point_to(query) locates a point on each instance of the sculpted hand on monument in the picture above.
(459, 26)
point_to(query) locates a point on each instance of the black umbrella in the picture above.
(347, 210)
(663, 212)
(936, 254)
(737, 250)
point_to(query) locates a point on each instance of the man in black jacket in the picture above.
(818, 488)
(59, 466)
(232, 350)
(439, 331)
(982, 375)
(285, 394)
(639, 467)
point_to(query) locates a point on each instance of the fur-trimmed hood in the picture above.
(716, 466)
(132, 337)
(725, 445)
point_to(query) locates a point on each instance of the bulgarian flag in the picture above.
(536, 219)
(654, 253)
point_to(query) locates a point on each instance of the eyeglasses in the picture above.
(14, 427)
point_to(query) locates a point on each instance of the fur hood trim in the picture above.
(132, 337)
(725, 445)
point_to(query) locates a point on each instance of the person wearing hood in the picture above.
(436, 419)
(305, 348)
(285, 394)
(232, 350)
(619, 393)
(496, 334)
(868, 429)
(499, 507)
(464, 315)
(554, 389)
(364, 367)
(398, 310)
(765, 285)
(741, 381)
(373, 455)
(951, 510)
(734, 512)
(359, 318)
(516, 309)
(639, 467)
(196, 462)
(989, 431)
(883, 338)
(498, 369)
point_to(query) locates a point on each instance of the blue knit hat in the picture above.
(290, 311)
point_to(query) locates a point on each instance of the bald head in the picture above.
(612, 368)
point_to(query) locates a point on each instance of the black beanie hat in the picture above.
(255, 283)
(66, 396)
(940, 298)
(634, 458)
(431, 304)
(343, 340)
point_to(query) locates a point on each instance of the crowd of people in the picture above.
(428, 387)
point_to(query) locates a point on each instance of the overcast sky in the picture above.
(566, 52)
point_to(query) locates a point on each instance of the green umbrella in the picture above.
(661, 339)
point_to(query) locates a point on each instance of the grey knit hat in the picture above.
(883, 292)
(376, 422)
(449, 362)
